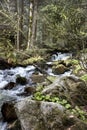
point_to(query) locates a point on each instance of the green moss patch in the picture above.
(84, 77)
(79, 113)
(74, 62)
(77, 68)
(51, 78)
(33, 60)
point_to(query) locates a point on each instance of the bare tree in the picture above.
(32, 23)
(20, 6)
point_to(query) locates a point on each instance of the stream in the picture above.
(10, 75)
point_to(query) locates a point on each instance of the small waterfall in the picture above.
(58, 57)
(61, 56)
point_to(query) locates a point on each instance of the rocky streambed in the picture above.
(31, 100)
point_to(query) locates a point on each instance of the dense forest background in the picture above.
(49, 24)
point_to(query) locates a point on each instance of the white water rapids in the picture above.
(9, 75)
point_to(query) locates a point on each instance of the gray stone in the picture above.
(35, 115)
(73, 88)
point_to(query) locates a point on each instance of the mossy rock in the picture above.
(33, 60)
(55, 63)
(76, 69)
(59, 69)
(74, 62)
(84, 78)
(38, 78)
(81, 72)
(51, 78)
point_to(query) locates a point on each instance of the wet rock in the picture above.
(30, 90)
(4, 64)
(38, 78)
(10, 85)
(59, 69)
(39, 115)
(4, 97)
(14, 125)
(21, 80)
(8, 112)
(42, 115)
(6, 85)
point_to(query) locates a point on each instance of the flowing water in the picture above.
(58, 57)
(3, 126)
(7, 76)
(61, 56)
(10, 75)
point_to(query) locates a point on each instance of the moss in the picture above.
(55, 63)
(74, 62)
(59, 69)
(51, 78)
(77, 68)
(39, 88)
(84, 77)
(33, 60)
(38, 96)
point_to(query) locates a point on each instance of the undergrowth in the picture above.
(38, 96)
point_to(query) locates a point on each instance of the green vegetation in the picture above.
(74, 62)
(51, 78)
(76, 110)
(64, 22)
(77, 68)
(84, 77)
(33, 60)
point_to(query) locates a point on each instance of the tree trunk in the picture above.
(32, 24)
(20, 6)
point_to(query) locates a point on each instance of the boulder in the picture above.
(6, 85)
(59, 69)
(21, 80)
(4, 97)
(38, 78)
(10, 85)
(35, 115)
(8, 112)
(73, 88)
(40, 115)
(30, 90)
